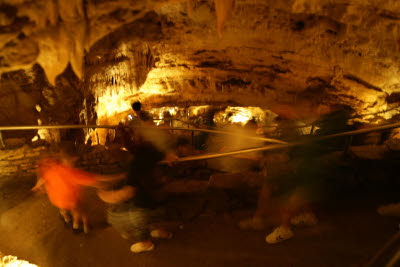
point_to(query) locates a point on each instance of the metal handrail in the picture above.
(278, 143)
(287, 145)
(36, 127)
(271, 140)
(349, 118)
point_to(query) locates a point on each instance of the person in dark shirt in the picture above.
(141, 173)
(132, 207)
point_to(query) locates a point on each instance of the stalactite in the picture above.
(190, 7)
(222, 8)
(64, 42)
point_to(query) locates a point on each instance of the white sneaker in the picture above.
(304, 219)
(142, 247)
(279, 234)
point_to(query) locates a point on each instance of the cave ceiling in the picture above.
(265, 53)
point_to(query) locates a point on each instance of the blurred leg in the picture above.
(85, 223)
(65, 214)
(76, 216)
(264, 207)
(292, 208)
(265, 210)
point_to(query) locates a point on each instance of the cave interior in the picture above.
(311, 88)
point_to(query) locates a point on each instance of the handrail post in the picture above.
(349, 140)
(3, 146)
(188, 124)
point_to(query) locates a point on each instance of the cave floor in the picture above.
(349, 233)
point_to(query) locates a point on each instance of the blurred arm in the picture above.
(117, 196)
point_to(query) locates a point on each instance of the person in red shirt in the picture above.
(64, 186)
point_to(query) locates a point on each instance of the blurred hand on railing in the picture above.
(170, 158)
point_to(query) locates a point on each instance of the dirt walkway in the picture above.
(30, 228)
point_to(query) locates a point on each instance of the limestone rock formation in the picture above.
(309, 54)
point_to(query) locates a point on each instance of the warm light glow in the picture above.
(240, 115)
(197, 110)
(375, 103)
(11, 261)
(159, 113)
(43, 134)
(154, 84)
(113, 102)
(93, 135)
(115, 99)
(372, 115)
(382, 106)
(116, 96)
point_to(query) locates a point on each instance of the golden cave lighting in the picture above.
(92, 136)
(376, 109)
(115, 101)
(380, 112)
(198, 110)
(12, 261)
(240, 115)
(157, 82)
(160, 112)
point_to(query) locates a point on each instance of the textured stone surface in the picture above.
(305, 53)
(20, 160)
(97, 159)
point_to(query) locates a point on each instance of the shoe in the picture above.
(160, 233)
(304, 219)
(255, 223)
(279, 234)
(75, 226)
(86, 228)
(142, 247)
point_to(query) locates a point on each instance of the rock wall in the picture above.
(100, 160)
(307, 53)
(20, 161)
(23, 160)
(256, 52)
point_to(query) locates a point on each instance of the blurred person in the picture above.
(64, 186)
(134, 205)
(292, 186)
(142, 117)
(285, 198)
(142, 129)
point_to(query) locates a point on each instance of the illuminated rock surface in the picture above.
(305, 53)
